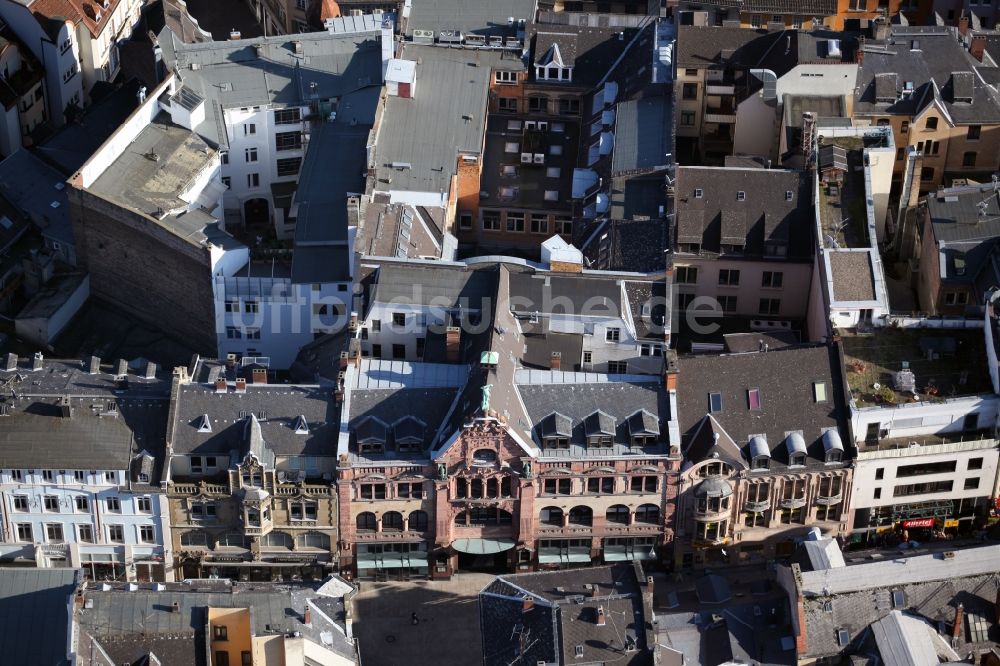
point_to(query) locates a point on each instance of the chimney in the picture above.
(65, 407)
(977, 47)
(175, 607)
(150, 370)
(963, 25)
(36, 361)
(241, 385)
(94, 365)
(221, 385)
(354, 321)
(121, 368)
(452, 340)
(235, 34)
(259, 376)
(345, 360)
(555, 360)
(307, 615)
(601, 620)
(595, 591)
(338, 395)
(10, 362)
(527, 604)
(956, 628)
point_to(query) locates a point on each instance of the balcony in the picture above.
(829, 500)
(720, 117)
(308, 489)
(793, 503)
(717, 540)
(718, 89)
(198, 488)
(756, 507)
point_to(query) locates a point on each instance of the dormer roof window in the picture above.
(796, 446)
(408, 433)
(599, 427)
(643, 428)
(833, 447)
(371, 435)
(204, 423)
(555, 431)
(760, 453)
(301, 425)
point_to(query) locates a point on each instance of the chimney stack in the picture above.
(354, 322)
(230, 360)
(94, 365)
(37, 361)
(963, 25)
(307, 615)
(221, 385)
(555, 360)
(259, 376)
(121, 368)
(10, 362)
(150, 370)
(977, 47)
(601, 620)
(241, 385)
(175, 607)
(527, 605)
(956, 628)
(452, 343)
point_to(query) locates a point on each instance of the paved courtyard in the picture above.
(448, 629)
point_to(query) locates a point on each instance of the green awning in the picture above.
(546, 558)
(482, 546)
(395, 561)
(578, 557)
(619, 556)
(643, 554)
(366, 563)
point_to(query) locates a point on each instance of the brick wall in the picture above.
(138, 264)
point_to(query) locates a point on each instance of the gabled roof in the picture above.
(555, 425)
(599, 423)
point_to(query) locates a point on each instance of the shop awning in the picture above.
(619, 556)
(549, 558)
(482, 546)
(578, 557)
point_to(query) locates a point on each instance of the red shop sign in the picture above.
(919, 522)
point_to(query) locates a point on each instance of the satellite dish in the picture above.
(876, 386)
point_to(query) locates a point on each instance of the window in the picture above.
(689, 91)
(878, 493)
(233, 333)
(507, 104)
(642, 484)
(920, 469)
(555, 149)
(54, 533)
(686, 275)
(931, 124)
(923, 488)
(377, 350)
(505, 77)
(253, 180)
(253, 334)
(491, 220)
(201, 512)
(48, 475)
(975, 131)
(741, 196)
(228, 182)
(539, 224)
(289, 166)
(727, 303)
(287, 116)
(612, 334)
(79, 476)
(927, 173)
(399, 319)
(975, 463)
(602, 485)
(249, 128)
(288, 141)
(819, 391)
(769, 306)
(69, 73)
(753, 399)
(116, 533)
(569, 106)
(617, 514)
(588, 357)
(552, 195)
(687, 118)
(714, 402)
(82, 503)
(969, 159)
(246, 657)
(465, 220)
(24, 532)
(729, 277)
(51, 503)
(232, 305)
(515, 221)
(772, 279)
(408, 490)
(113, 504)
(972, 483)
(376, 325)
(144, 505)
(558, 486)
(220, 633)
(880, 473)
(617, 367)
(538, 104)
(648, 514)
(900, 153)
(564, 225)
(224, 156)
(251, 154)
(20, 502)
(372, 491)
(552, 516)
(146, 534)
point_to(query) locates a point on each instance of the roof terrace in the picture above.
(842, 211)
(892, 366)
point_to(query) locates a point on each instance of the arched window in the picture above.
(418, 521)
(617, 514)
(484, 457)
(194, 538)
(581, 515)
(313, 540)
(462, 519)
(392, 521)
(277, 540)
(551, 515)
(504, 517)
(648, 513)
(366, 522)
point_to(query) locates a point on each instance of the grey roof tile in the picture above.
(34, 617)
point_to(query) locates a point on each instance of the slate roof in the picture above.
(132, 621)
(888, 68)
(558, 623)
(30, 186)
(785, 380)
(591, 51)
(629, 245)
(643, 136)
(445, 117)
(566, 294)
(277, 408)
(34, 616)
(231, 74)
(622, 397)
(766, 212)
(109, 421)
(704, 46)
(444, 286)
(650, 306)
(481, 18)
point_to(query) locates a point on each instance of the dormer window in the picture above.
(833, 447)
(643, 428)
(600, 429)
(555, 431)
(301, 425)
(204, 424)
(741, 196)
(714, 403)
(408, 433)
(371, 436)
(760, 453)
